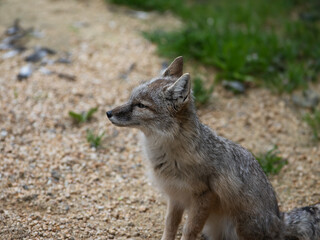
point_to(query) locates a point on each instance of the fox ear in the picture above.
(175, 69)
(180, 90)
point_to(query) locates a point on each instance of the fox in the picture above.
(218, 183)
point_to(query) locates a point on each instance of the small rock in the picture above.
(14, 29)
(29, 197)
(300, 168)
(140, 14)
(67, 76)
(25, 72)
(39, 53)
(308, 99)
(3, 133)
(10, 54)
(234, 86)
(143, 209)
(55, 175)
(66, 207)
(45, 71)
(100, 208)
(63, 60)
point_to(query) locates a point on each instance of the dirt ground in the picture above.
(53, 185)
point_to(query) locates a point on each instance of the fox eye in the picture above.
(140, 105)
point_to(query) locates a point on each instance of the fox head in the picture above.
(160, 105)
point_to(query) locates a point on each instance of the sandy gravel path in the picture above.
(54, 186)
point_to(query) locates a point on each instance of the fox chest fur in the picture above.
(174, 168)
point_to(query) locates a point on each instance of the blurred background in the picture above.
(66, 172)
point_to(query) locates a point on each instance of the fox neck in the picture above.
(177, 146)
(187, 126)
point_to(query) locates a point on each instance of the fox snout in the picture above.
(121, 116)
(109, 114)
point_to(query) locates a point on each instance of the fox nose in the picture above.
(109, 114)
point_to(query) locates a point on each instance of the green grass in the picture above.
(272, 43)
(82, 117)
(200, 92)
(313, 120)
(270, 162)
(94, 139)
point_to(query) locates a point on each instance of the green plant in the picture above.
(93, 139)
(201, 93)
(15, 93)
(270, 162)
(248, 40)
(84, 116)
(313, 120)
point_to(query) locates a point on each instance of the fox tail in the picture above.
(303, 223)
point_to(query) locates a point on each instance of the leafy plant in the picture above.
(84, 116)
(93, 139)
(248, 40)
(270, 162)
(201, 93)
(313, 120)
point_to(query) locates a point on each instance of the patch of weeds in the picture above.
(200, 92)
(270, 162)
(93, 139)
(82, 117)
(273, 44)
(313, 120)
(15, 93)
(295, 77)
(74, 29)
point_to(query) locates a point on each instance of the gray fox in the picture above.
(220, 185)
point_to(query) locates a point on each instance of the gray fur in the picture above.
(218, 183)
(303, 223)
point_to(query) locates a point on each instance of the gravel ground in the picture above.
(53, 185)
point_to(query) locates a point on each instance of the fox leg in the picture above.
(198, 213)
(267, 226)
(219, 227)
(173, 219)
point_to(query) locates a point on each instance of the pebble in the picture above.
(308, 99)
(25, 72)
(143, 208)
(100, 207)
(234, 86)
(3, 133)
(10, 54)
